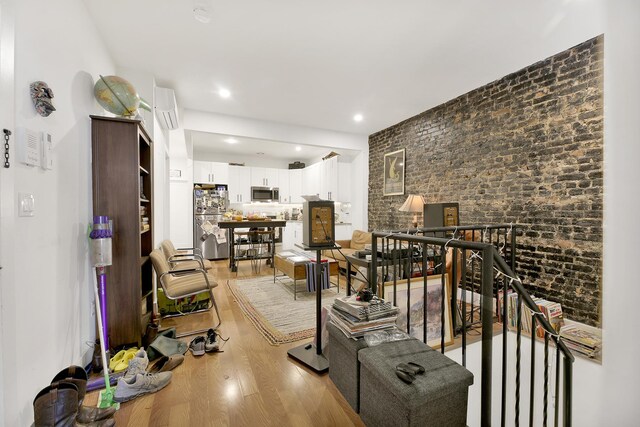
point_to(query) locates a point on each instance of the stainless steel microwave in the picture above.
(265, 194)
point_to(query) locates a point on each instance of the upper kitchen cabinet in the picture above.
(284, 185)
(329, 179)
(312, 179)
(239, 184)
(264, 177)
(210, 172)
(295, 186)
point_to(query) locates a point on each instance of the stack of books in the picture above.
(551, 310)
(355, 318)
(582, 339)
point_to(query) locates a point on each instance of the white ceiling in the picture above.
(317, 63)
(205, 142)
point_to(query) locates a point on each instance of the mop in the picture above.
(101, 257)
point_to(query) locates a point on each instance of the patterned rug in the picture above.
(273, 311)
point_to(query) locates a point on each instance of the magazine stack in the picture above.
(580, 339)
(355, 318)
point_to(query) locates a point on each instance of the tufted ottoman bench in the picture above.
(436, 398)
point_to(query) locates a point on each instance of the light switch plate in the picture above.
(26, 204)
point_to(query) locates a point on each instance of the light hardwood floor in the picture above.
(251, 383)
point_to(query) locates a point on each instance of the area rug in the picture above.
(273, 311)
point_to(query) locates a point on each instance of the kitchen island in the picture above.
(260, 233)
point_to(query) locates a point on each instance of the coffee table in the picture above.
(296, 269)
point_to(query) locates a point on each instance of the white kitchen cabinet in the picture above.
(292, 235)
(284, 185)
(264, 177)
(343, 189)
(210, 172)
(239, 184)
(312, 179)
(329, 179)
(295, 185)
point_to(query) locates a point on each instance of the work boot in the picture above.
(56, 405)
(78, 377)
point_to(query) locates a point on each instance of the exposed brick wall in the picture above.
(525, 149)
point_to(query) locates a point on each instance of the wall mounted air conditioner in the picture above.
(166, 108)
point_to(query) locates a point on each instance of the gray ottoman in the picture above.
(344, 368)
(436, 398)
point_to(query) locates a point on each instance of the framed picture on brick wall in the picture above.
(393, 173)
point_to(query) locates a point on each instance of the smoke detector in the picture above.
(202, 10)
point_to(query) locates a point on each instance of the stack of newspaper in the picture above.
(355, 318)
(582, 339)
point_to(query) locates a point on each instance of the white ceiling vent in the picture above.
(166, 108)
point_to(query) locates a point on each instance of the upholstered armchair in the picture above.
(358, 241)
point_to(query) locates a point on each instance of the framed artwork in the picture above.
(393, 173)
(417, 308)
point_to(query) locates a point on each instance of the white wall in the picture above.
(50, 319)
(181, 191)
(7, 256)
(620, 380)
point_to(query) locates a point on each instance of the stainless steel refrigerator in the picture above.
(210, 202)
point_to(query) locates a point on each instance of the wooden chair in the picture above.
(181, 283)
(184, 258)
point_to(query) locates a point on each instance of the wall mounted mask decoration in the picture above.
(42, 96)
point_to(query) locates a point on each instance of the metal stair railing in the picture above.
(492, 276)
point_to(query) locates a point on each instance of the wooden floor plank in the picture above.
(250, 383)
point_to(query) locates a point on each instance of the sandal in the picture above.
(123, 363)
(113, 362)
(197, 345)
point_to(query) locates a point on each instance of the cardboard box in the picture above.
(168, 306)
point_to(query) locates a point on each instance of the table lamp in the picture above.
(415, 204)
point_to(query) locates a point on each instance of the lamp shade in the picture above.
(413, 203)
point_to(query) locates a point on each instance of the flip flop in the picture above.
(197, 345)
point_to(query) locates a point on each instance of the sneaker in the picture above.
(212, 343)
(140, 384)
(137, 365)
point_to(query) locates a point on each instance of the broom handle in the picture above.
(105, 365)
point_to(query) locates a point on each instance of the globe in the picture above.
(118, 96)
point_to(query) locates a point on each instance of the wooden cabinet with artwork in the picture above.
(122, 162)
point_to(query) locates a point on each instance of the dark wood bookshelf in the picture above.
(122, 157)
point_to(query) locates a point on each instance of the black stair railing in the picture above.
(480, 263)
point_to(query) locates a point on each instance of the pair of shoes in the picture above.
(137, 365)
(139, 385)
(165, 364)
(407, 371)
(197, 345)
(212, 343)
(61, 402)
(120, 361)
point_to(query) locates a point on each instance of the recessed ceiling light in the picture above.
(358, 117)
(260, 153)
(224, 93)
(298, 148)
(231, 141)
